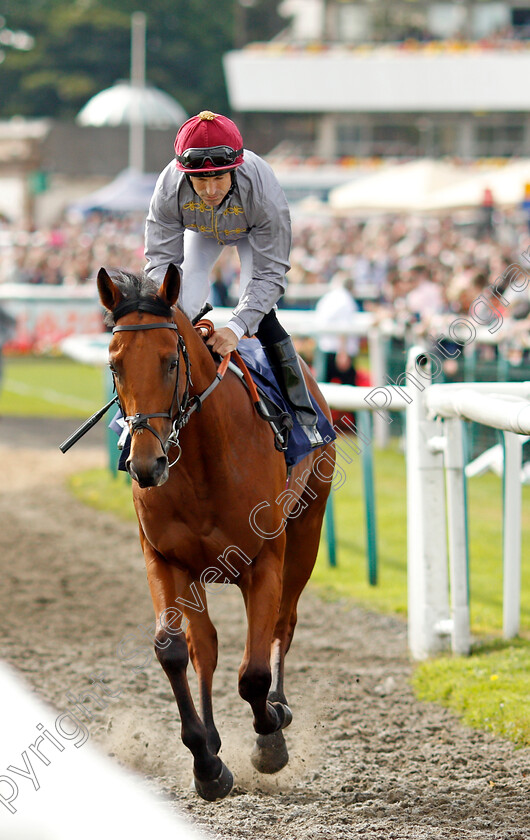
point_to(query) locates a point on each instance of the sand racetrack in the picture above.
(367, 760)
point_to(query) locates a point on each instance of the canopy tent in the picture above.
(404, 186)
(507, 184)
(130, 192)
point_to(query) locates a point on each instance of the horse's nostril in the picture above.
(161, 465)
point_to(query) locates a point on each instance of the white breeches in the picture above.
(200, 256)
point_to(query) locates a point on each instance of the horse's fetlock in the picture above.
(214, 740)
(277, 697)
(194, 737)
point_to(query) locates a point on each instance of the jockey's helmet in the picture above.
(208, 143)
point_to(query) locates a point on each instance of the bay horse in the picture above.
(214, 503)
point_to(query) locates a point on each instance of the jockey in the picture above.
(216, 194)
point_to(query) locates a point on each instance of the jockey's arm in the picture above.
(270, 239)
(164, 232)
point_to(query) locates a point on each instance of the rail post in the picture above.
(428, 584)
(364, 421)
(378, 371)
(113, 452)
(457, 536)
(330, 531)
(513, 447)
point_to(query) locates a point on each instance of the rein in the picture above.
(188, 404)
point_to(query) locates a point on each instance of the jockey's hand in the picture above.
(223, 341)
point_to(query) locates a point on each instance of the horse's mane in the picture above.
(135, 288)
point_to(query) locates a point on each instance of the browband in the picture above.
(154, 306)
(124, 327)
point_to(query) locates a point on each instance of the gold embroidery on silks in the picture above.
(211, 230)
(192, 205)
(235, 210)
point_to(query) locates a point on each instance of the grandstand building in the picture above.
(370, 78)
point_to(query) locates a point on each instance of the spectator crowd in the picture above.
(399, 267)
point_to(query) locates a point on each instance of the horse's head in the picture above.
(149, 364)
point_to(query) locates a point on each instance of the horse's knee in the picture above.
(254, 682)
(171, 652)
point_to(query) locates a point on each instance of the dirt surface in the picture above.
(367, 760)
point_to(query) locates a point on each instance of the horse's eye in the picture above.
(112, 368)
(173, 365)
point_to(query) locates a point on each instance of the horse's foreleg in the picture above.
(212, 778)
(261, 591)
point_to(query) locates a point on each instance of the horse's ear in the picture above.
(170, 288)
(109, 294)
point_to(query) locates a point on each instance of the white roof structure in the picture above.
(125, 103)
(281, 78)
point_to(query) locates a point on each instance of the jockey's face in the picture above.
(212, 190)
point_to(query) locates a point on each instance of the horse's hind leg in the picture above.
(261, 590)
(303, 536)
(212, 778)
(201, 637)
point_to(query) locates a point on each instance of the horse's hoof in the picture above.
(270, 753)
(217, 788)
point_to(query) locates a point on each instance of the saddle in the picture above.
(278, 418)
(250, 363)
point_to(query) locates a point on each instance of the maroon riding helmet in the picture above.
(208, 143)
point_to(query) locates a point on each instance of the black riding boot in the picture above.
(286, 366)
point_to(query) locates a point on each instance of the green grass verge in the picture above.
(488, 690)
(104, 491)
(350, 578)
(50, 387)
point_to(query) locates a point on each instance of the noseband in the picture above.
(187, 405)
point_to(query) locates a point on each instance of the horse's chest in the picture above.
(200, 541)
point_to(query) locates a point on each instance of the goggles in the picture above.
(216, 155)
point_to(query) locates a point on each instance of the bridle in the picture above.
(187, 405)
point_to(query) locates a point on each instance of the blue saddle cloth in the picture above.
(253, 355)
(298, 447)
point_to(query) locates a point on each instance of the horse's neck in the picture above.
(203, 367)
(219, 417)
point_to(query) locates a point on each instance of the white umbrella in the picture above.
(507, 185)
(404, 186)
(125, 103)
